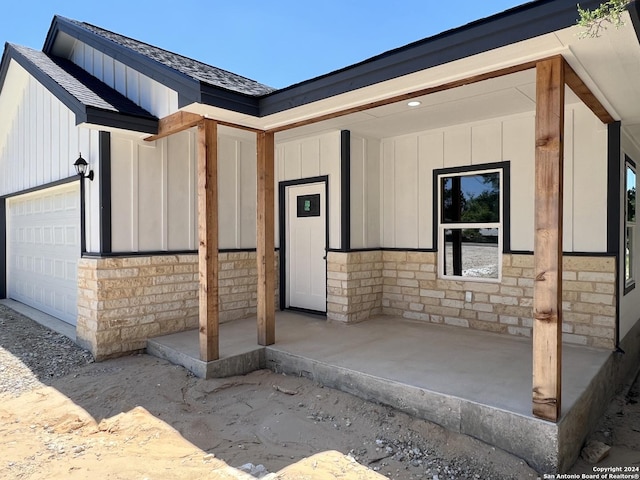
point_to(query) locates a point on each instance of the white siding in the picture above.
(153, 188)
(141, 89)
(407, 163)
(154, 192)
(237, 184)
(311, 157)
(365, 192)
(40, 146)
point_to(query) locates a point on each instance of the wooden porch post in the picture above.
(208, 238)
(266, 240)
(547, 289)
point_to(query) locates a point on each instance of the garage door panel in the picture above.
(44, 247)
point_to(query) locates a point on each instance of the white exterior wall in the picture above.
(365, 192)
(154, 192)
(237, 188)
(40, 145)
(140, 89)
(629, 302)
(407, 180)
(312, 157)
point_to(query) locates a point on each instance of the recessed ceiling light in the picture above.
(414, 103)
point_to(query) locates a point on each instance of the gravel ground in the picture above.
(242, 409)
(31, 354)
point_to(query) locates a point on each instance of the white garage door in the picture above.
(43, 250)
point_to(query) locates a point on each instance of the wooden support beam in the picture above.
(208, 239)
(174, 123)
(266, 240)
(576, 84)
(547, 289)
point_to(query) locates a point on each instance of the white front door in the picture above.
(306, 242)
(43, 250)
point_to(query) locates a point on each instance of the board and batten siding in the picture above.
(237, 188)
(407, 181)
(312, 157)
(151, 95)
(154, 192)
(40, 145)
(365, 192)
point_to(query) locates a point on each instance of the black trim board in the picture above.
(42, 187)
(3, 248)
(345, 190)
(155, 253)
(104, 190)
(613, 210)
(614, 158)
(282, 190)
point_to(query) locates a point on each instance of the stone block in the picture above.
(519, 331)
(600, 298)
(391, 256)
(595, 331)
(456, 321)
(574, 339)
(597, 277)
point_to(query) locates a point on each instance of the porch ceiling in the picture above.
(605, 64)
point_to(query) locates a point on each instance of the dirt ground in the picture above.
(139, 417)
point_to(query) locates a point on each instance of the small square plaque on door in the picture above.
(309, 205)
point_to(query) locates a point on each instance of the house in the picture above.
(482, 178)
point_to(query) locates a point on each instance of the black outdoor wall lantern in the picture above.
(81, 166)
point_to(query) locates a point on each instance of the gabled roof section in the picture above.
(193, 80)
(89, 99)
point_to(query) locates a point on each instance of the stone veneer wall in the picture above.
(122, 301)
(406, 284)
(354, 285)
(413, 291)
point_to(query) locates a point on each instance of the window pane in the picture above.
(471, 198)
(631, 195)
(471, 252)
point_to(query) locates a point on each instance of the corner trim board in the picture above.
(345, 190)
(104, 186)
(3, 248)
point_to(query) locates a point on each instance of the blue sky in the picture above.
(277, 42)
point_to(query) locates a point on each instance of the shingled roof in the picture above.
(91, 100)
(213, 76)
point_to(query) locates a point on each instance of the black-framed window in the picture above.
(630, 183)
(470, 224)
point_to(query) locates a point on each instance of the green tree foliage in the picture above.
(597, 20)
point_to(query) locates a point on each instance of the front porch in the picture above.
(468, 381)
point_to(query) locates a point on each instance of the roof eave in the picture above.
(229, 100)
(517, 24)
(71, 102)
(83, 113)
(121, 121)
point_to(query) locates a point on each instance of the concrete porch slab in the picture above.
(472, 382)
